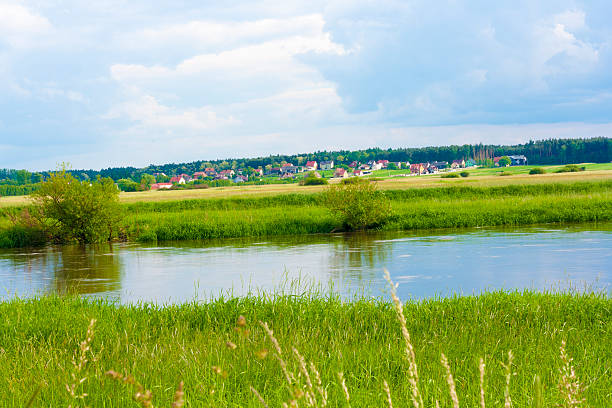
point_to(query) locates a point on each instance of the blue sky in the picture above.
(106, 83)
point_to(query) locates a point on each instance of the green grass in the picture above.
(291, 214)
(161, 346)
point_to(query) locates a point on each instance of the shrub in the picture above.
(313, 180)
(70, 210)
(537, 170)
(570, 168)
(504, 173)
(359, 205)
(464, 173)
(450, 175)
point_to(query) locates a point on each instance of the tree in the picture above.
(392, 166)
(504, 161)
(146, 181)
(358, 205)
(128, 185)
(70, 210)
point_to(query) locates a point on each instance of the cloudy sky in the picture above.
(109, 82)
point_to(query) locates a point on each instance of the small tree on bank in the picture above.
(358, 205)
(70, 210)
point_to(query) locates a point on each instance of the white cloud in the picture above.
(147, 111)
(19, 27)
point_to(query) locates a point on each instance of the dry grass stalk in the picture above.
(569, 385)
(78, 375)
(320, 389)
(258, 395)
(509, 373)
(179, 395)
(347, 396)
(310, 397)
(413, 375)
(388, 392)
(450, 381)
(143, 396)
(481, 368)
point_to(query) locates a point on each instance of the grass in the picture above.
(291, 214)
(46, 348)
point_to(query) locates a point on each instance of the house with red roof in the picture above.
(199, 175)
(458, 164)
(383, 163)
(178, 180)
(340, 173)
(417, 168)
(311, 165)
(159, 186)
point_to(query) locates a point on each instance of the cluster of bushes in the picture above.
(537, 170)
(312, 180)
(450, 175)
(570, 168)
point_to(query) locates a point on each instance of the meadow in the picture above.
(454, 205)
(220, 351)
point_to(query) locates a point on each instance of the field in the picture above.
(218, 356)
(478, 177)
(443, 206)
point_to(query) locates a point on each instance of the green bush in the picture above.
(537, 170)
(313, 181)
(464, 173)
(570, 168)
(358, 205)
(450, 175)
(70, 210)
(504, 173)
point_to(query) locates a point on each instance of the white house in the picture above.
(327, 165)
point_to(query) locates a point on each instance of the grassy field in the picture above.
(456, 205)
(478, 177)
(46, 350)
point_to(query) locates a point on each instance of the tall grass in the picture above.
(221, 353)
(291, 214)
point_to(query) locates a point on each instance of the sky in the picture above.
(114, 83)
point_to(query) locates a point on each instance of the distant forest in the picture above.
(551, 151)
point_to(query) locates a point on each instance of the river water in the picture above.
(425, 264)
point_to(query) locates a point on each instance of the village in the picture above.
(290, 172)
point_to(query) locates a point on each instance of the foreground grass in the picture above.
(219, 356)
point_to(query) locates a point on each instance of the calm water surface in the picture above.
(424, 264)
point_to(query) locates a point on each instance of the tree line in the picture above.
(550, 151)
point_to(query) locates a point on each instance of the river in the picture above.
(425, 264)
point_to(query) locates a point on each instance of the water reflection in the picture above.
(425, 264)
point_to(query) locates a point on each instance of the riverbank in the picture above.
(454, 206)
(218, 355)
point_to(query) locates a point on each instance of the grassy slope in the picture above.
(161, 347)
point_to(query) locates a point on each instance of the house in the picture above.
(227, 173)
(358, 173)
(496, 161)
(292, 169)
(340, 173)
(353, 164)
(210, 171)
(416, 168)
(199, 175)
(470, 163)
(440, 164)
(518, 160)
(375, 165)
(398, 164)
(240, 179)
(327, 165)
(364, 167)
(159, 174)
(383, 163)
(159, 186)
(177, 180)
(275, 170)
(287, 175)
(458, 164)
(311, 165)
(258, 171)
